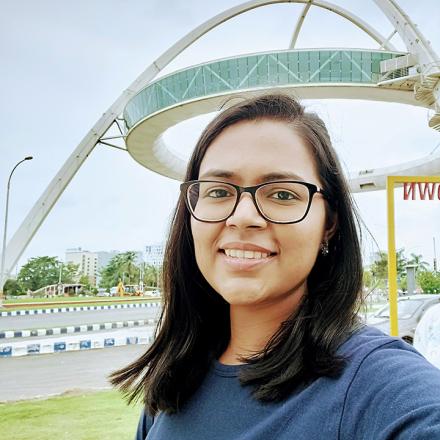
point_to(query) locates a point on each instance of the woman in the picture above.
(259, 336)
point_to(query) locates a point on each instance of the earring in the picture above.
(324, 248)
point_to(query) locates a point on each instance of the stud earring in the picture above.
(324, 248)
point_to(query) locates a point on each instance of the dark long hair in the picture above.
(194, 326)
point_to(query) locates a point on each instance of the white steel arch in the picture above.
(357, 21)
(299, 24)
(427, 90)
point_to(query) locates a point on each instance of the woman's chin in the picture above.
(242, 295)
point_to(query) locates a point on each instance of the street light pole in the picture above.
(2, 271)
(435, 256)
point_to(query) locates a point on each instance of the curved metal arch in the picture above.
(413, 39)
(299, 24)
(47, 200)
(146, 144)
(344, 13)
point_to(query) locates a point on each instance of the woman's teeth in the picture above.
(238, 253)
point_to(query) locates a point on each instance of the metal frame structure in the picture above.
(424, 79)
(392, 181)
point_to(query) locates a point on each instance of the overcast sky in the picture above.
(64, 63)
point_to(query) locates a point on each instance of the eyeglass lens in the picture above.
(280, 202)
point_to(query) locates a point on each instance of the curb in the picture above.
(75, 329)
(78, 309)
(72, 344)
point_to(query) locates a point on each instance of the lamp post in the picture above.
(2, 271)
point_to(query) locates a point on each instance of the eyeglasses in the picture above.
(280, 202)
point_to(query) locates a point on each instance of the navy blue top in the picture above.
(387, 391)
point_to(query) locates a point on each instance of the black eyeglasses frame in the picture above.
(313, 189)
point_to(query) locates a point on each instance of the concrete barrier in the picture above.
(75, 329)
(140, 335)
(78, 309)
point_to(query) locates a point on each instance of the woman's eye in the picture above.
(283, 195)
(218, 193)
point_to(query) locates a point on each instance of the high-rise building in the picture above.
(87, 262)
(104, 257)
(90, 263)
(154, 254)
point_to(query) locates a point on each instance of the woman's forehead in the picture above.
(218, 173)
(259, 150)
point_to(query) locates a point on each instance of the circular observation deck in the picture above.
(331, 73)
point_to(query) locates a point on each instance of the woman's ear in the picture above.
(331, 226)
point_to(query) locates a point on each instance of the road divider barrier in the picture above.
(75, 329)
(144, 335)
(78, 309)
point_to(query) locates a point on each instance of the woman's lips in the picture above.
(243, 264)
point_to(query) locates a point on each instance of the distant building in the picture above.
(154, 255)
(87, 262)
(104, 257)
(139, 258)
(90, 263)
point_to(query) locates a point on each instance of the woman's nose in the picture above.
(246, 214)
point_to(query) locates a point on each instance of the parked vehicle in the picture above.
(427, 335)
(154, 293)
(102, 292)
(410, 310)
(132, 290)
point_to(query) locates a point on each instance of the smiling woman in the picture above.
(259, 336)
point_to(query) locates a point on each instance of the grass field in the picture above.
(90, 416)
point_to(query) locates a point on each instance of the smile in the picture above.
(239, 253)
(240, 260)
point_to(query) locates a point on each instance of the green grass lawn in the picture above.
(101, 415)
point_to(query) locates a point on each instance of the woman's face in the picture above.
(249, 153)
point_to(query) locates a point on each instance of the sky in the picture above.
(64, 63)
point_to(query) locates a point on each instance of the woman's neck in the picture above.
(253, 325)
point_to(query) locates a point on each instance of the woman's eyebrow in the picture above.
(218, 173)
(279, 175)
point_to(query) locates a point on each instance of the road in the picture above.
(28, 322)
(50, 374)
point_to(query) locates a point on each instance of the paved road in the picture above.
(44, 375)
(28, 322)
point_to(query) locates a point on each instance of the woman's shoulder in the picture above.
(376, 361)
(145, 423)
(390, 381)
(365, 340)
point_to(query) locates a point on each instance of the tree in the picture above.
(121, 267)
(379, 268)
(417, 260)
(39, 272)
(12, 288)
(403, 283)
(130, 271)
(401, 263)
(151, 275)
(429, 281)
(44, 271)
(69, 273)
(84, 280)
(367, 279)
